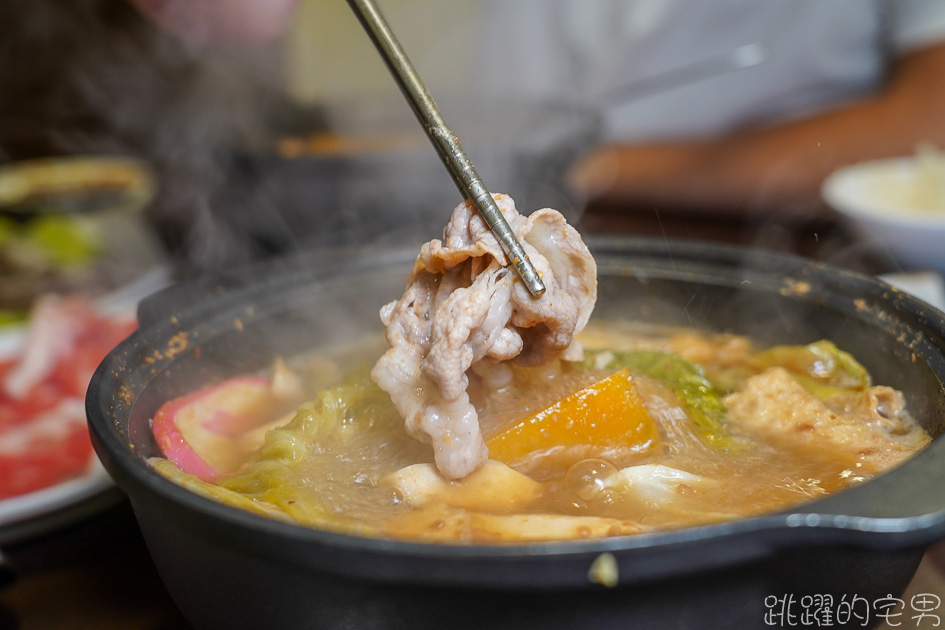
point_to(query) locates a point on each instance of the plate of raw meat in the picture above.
(49, 475)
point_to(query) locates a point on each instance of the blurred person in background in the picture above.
(730, 112)
(833, 83)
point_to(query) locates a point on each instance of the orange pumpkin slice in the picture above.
(608, 413)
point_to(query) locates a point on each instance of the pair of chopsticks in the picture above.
(451, 152)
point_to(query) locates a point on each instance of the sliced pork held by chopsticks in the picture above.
(464, 308)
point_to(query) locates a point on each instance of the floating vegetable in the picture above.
(609, 412)
(821, 368)
(687, 380)
(356, 406)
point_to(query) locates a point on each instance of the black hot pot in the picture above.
(226, 568)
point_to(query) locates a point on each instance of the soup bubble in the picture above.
(586, 478)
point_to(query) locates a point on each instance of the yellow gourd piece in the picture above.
(608, 413)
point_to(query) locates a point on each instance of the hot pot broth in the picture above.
(727, 430)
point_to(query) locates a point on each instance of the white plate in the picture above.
(35, 513)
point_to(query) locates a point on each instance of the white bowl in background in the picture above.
(897, 204)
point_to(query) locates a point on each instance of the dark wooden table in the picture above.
(94, 574)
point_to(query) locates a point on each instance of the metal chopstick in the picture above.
(447, 144)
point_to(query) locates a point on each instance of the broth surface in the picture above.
(738, 431)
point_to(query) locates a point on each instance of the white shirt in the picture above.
(661, 69)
